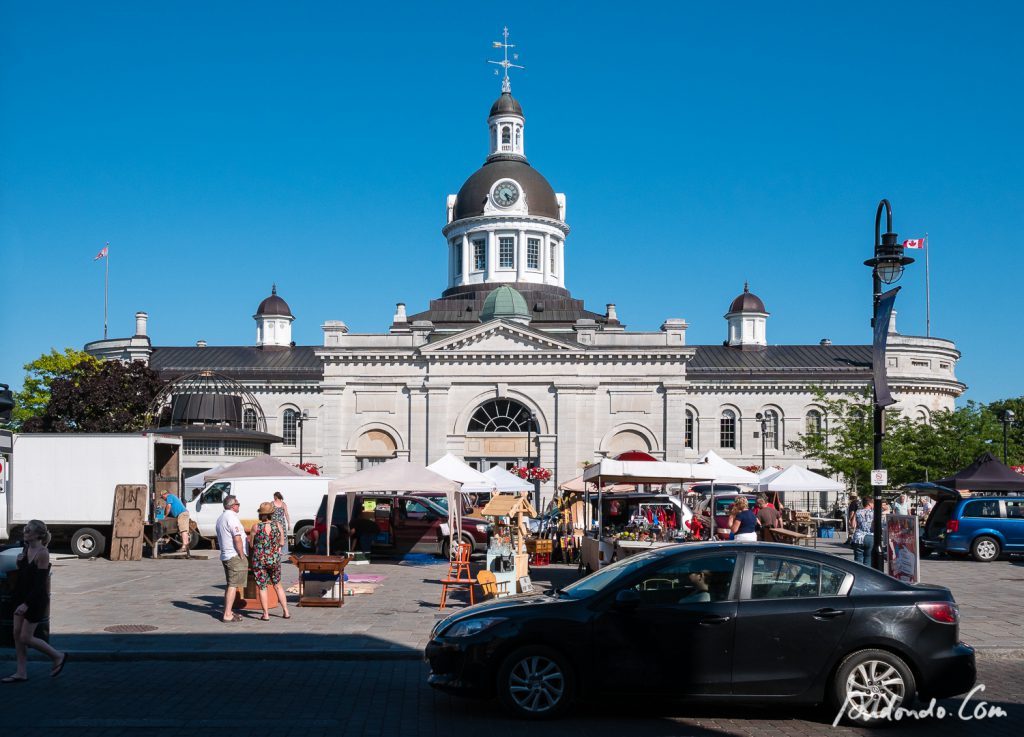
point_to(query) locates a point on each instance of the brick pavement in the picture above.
(182, 600)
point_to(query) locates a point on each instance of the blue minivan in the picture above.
(983, 526)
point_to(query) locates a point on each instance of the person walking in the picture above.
(32, 602)
(742, 521)
(176, 518)
(283, 520)
(860, 529)
(232, 543)
(266, 558)
(767, 516)
(901, 505)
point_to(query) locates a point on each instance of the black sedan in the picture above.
(751, 622)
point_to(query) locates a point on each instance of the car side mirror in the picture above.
(627, 599)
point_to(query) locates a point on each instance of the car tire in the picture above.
(88, 543)
(304, 538)
(985, 549)
(446, 548)
(535, 682)
(867, 682)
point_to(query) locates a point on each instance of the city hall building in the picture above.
(507, 364)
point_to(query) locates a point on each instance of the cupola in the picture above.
(505, 303)
(273, 321)
(747, 320)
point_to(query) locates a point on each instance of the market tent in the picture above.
(648, 472)
(455, 469)
(395, 477)
(796, 478)
(725, 472)
(578, 486)
(259, 466)
(507, 482)
(199, 480)
(766, 473)
(985, 474)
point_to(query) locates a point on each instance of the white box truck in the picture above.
(67, 480)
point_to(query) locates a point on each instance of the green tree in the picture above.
(31, 401)
(1014, 430)
(99, 397)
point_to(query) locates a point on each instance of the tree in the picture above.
(31, 401)
(98, 397)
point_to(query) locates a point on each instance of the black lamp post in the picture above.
(1007, 420)
(300, 421)
(886, 266)
(764, 429)
(529, 461)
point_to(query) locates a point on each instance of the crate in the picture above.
(543, 546)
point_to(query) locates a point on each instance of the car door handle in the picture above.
(708, 621)
(828, 613)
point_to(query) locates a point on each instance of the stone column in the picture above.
(418, 431)
(675, 420)
(574, 414)
(492, 248)
(467, 254)
(545, 257)
(521, 255)
(437, 419)
(335, 428)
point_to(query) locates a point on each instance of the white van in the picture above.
(302, 494)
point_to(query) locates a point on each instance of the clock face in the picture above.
(506, 194)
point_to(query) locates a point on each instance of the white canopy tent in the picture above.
(393, 478)
(797, 479)
(725, 472)
(507, 482)
(454, 468)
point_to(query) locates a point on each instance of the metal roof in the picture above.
(845, 360)
(239, 362)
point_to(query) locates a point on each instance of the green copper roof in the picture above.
(505, 302)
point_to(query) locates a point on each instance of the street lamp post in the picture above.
(1007, 420)
(764, 428)
(886, 266)
(301, 421)
(529, 462)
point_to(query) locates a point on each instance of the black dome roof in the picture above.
(506, 105)
(747, 302)
(540, 197)
(273, 305)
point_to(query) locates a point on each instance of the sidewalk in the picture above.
(178, 604)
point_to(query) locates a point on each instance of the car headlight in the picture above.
(468, 627)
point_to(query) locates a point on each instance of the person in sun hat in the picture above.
(267, 539)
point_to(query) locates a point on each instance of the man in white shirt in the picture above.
(901, 505)
(233, 549)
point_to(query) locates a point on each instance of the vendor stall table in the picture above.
(332, 566)
(782, 535)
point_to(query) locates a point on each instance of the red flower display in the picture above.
(532, 474)
(310, 468)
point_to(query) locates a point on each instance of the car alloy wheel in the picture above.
(535, 683)
(872, 684)
(985, 550)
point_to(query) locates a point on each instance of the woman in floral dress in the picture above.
(266, 559)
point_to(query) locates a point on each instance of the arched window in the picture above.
(374, 447)
(519, 136)
(812, 422)
(922, 417)
(688, 429)
(502, 415)
(771, 428)
(249, 419)
(727, 429)
(289, 426)
(506, 134)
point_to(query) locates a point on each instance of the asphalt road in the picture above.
(381, 698)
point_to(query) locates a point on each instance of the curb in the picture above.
(133, 656)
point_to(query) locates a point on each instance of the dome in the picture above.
(505, 302)
(747, 302)
(506, 105)
(540, 197)
(273, 305)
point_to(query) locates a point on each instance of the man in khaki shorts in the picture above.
(176, 518)
(233, 546)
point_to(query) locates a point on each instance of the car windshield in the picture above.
(600, 580)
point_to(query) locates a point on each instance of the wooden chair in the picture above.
(490, 586)
(458, 566)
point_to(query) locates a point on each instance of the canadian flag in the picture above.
(914, 243)
(101, 254)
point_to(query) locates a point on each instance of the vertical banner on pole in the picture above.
(883, 312)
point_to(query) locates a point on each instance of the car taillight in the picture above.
(940, 611)
(953, 525)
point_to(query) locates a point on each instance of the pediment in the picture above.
(500, 337)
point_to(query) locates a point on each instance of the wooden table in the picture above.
(333, 565)
(782, 535)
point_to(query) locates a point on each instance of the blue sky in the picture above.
(220, 147)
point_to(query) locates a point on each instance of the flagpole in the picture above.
(927, 293)
(106, 289)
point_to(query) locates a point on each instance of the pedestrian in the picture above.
(851, 510)
(861, 531)
(267, 537)
(232, 543)
(283, 519)
(767, 516)
(742, 521)
(901, 505)
(32, 602)
(175, 518)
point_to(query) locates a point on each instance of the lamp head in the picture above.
(889, 260)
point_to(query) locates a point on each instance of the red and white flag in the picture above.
(102, 253)
(914, 243)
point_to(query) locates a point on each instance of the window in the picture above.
(216, 493)
(458, 257)
(479, 255)
(691, 581)
(1014, 509)
(242, 448)
(812, 424)
(771, 428)
(519, 136)
(506, 252)
(413, 510)
(982, 508)
(784, 578)
(533, 253)
(688, 430)
(202, 447)
(506, 134)
(727, 429)
(248, 419)
(502, 415)
(289, 425)
(553, 257)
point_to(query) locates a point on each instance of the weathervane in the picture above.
(506, 85)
